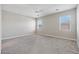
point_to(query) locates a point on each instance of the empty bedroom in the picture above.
(40, 29)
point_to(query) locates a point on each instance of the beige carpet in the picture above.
(35, 44)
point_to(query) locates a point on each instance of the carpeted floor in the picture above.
(35, 44)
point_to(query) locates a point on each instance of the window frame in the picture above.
(60, 29)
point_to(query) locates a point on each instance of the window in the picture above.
(64, 23)
(39, 24)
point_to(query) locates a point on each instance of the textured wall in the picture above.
(14, 25)
(51, 25)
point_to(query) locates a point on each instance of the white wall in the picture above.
(78, 25)
(14, 25)
(51, 25)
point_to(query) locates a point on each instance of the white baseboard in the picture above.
(17, 36)
(58, 37)
(38, 34)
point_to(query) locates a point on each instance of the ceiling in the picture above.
(44, 9)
